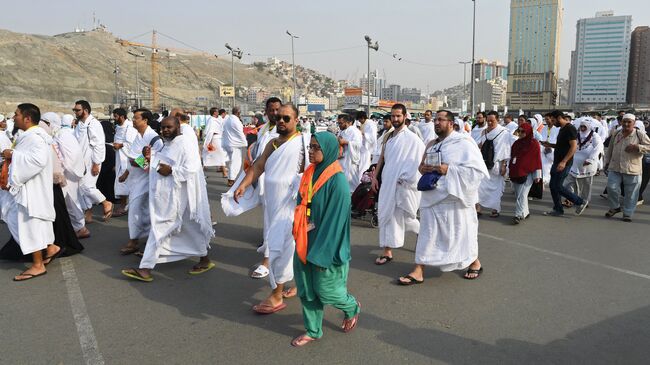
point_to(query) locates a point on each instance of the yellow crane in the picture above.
(154, 65)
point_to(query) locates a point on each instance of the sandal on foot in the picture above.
(135, 274)
(127, 250)
(302, 340)
(612, 212)
(108, 213)
(264, 308)
(28, 276)
(51, 258)
(470, 271)
(494, 214)
(627, 218)
(386, 259)
(196, 270)
(260, 272)
(409, 280)
(120, 212)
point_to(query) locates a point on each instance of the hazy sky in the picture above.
(430, 36)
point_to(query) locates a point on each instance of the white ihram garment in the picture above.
(282, 179)
(124, 134)
(351, 156)
(491, 189)
(234, 143)
(214, 136)
(448, 235)
(428, 131)
(368, 144)
(399, 198)
(138, 180)
(71, 158)
(178, 204)
(90, 135)
(30, 207)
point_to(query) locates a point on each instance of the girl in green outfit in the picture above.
(322, 231)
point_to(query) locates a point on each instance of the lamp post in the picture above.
(137, 77)
(374, 46)
(464, 63)
(293, 68)
(234, 52)
(116, 71)
(473, 49)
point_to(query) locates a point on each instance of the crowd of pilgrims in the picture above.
(434, 176)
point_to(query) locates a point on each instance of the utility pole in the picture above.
(234, 52)
(293, 69)
(116, 72)
(155, 104)
(137, 77)
(473, 57)
(464, 63)
(374, 46)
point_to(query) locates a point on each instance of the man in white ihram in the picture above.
(30, 211)
(368, 129)
(282, 162)
(234, 143)
(398, 196)
(90, 134)
(350, 142)
(491, 189)
(448, 236)
(213, 153)
(124, 137)
(180, 215)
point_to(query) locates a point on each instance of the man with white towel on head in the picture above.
(234, 143)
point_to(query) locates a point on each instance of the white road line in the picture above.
(568, 257)
(85, 330)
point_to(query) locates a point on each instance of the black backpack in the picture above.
(487, 150)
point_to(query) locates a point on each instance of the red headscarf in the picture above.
(525, 154)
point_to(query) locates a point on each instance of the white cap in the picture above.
(629, 116)
(52, 119)
(2, 117)
(66, 120)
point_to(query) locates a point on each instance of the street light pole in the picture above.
(464, 63)
(374, 46)
(234, 52)
(293, 69)
(116, 71)
(137, 77)
(473, 50)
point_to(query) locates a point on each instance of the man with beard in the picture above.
(213, 153)
(181, 225)
(124, 136)
(282, 162)
(234, 143)
(368, 129)
(496, 160)
(381, 139)
(448, 236)
(479, 127)
(90, 134)
(399, 198)
(427, 128)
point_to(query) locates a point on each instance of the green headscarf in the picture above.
(329, 144)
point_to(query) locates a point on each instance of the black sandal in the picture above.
(411, 280)
(478, 273)
(612, 212)
(386, 259)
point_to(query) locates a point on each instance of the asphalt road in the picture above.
(555, 290)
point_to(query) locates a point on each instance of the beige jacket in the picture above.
(626, 162)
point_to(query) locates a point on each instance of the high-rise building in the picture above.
(534, 53)
(392, 92)
(599, 63)
(638, 84)
(376, 84)
(485, 70)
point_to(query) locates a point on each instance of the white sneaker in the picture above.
(640, 202)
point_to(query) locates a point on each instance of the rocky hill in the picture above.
(54, 71)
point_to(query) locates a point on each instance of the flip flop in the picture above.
(120, 213)
(51, 258)
(202, 269)
(411, 280)
(302, 340)
(386, 259)
(29, 276)
(128, 250)
(135, 274)
(354, 320)
(478, 273)
(260, 272)
(494, 214)
(109, 214)
(264, 308)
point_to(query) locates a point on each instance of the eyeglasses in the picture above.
(441, 120)
(284, 118)
(76, 110)
(314, 147)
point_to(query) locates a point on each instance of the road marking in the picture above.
(85, 330)
(568, 257)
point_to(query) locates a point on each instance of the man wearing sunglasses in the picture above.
(90, 134)
(281, 163)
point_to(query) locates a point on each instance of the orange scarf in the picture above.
(303, 210)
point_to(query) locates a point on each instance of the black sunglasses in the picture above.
(284, 118)
(76, 110)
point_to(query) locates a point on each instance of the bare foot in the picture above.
(290, 293)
